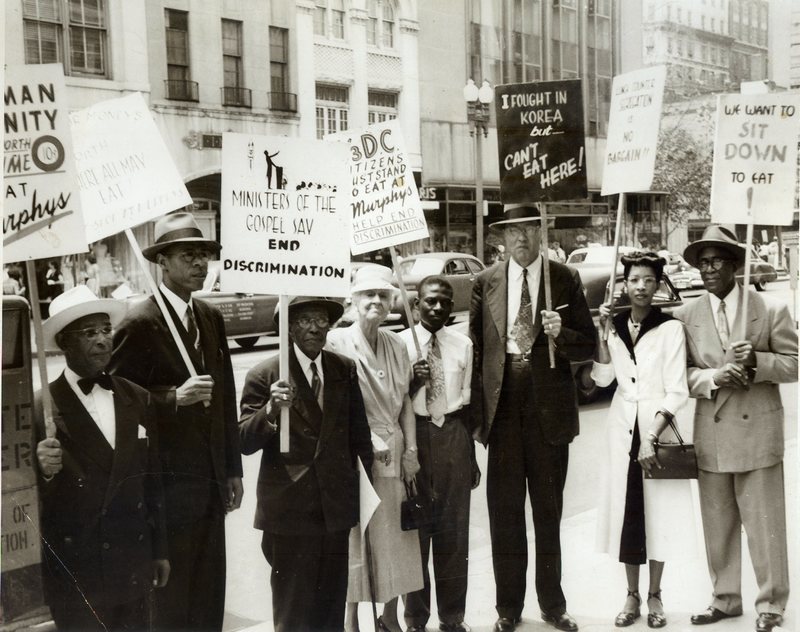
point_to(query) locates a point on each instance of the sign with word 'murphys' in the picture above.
(285, 216)
(755, 158)
(633, 123)
(540, 141)
(385, 203)
(42, 216)
(125, 171)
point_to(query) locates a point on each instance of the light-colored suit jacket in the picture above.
(739, 430)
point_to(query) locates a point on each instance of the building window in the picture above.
(599, 69)
(382, 106)
(179, 84)
(380, 28)
(278, 59)
(332, 109)
(526, 41)
(329, 18)
(71, 32)
(565, 39)
(232, 53)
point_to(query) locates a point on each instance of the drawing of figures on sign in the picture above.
(285, 218)
(386, 210)
(540, 140)
(42, 213)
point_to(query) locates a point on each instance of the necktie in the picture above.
(103, 380)
(522, 331)
(722, 325)
(316, 384)
(191, 327)
(435, 398)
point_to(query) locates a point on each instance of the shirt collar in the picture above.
(178, 304)
(72, 379)
(424, 335)
(515, 270)
(305, 361)
(731, 298)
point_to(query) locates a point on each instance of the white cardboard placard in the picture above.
(285, 216)
(635, 114)
(755, 158)
(42, 208)
(125, 171)
(385, 206)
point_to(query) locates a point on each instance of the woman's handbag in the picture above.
(415, 511)
(678, 460)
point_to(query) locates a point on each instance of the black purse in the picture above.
(416, 511)
(678, 460)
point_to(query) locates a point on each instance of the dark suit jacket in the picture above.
(102, 514)
(323, 448)
(197, 444)
(553, 389)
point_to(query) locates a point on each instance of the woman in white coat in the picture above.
(642, 519)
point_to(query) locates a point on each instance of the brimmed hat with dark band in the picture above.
(76, 303)
(177, 228)
(333, 307)
(718, 236)
(517, 213)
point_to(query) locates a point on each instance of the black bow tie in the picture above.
(103, 380)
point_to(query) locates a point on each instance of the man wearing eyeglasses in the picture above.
(308, 498)
(738, 431)
(199, 438)
(103, 529)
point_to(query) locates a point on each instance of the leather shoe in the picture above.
(768, 620)
(711, 615)
(455, 627)
(505, 624)
(562, 621)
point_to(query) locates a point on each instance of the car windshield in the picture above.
(421, 266)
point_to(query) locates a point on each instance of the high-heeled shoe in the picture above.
(624, 619)
(655, 619)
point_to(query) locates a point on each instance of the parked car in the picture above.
(683, 275)
(597, 255)
(761, 272)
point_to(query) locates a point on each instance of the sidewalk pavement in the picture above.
(595, 584)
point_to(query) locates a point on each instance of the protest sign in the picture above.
(42, 216)
(755, 159)
(125, 172)
(285, 216)
(540, 140)
(386, 210)
(633, 123)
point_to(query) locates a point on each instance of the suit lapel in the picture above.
(79, 426)
(540, 302)
(125, 441)
(497, 297)
(189, 344)
(305, 404)
(207, 339)
(332, 386)
(753, 316)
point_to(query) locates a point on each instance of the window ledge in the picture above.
(101, 83)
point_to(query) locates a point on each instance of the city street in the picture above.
(594, 584)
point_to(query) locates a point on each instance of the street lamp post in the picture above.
(478, 101)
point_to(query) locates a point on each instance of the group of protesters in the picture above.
(143, 458)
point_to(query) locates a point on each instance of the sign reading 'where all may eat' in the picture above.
(755, 159)
(635, 115)
(42, 215)
(540, 140)
(285, 216)
(386, 210)
(125, 171)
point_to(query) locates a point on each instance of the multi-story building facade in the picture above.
(794, 62)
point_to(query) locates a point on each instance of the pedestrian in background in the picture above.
(526, 412)
(308, 498)
(440, 394)
(738, 428)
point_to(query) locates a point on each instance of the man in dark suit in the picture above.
(308, 498)
(199, 438)
(103, 530)
(525, 411)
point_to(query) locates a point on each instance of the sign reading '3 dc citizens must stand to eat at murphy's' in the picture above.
(540, 139)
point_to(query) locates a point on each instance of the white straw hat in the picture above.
(76, 303)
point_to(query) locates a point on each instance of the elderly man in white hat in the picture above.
(198, 424)
(102, 520)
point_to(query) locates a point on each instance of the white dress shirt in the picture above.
(99, 403)
(456, 351)
(178, 304)
(514, 296)
(731, 308)
(305, 364)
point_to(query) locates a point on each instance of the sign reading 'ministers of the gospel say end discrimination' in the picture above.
(125, 171)
(635, 115)
(540, 140)
(386, 210)
(285, 216)
(755, 158)
(42, 215)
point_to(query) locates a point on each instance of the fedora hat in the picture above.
(334, 308)
(719, 236)
(374, 277)
(516, 214)
(177, 228)
(76, 303)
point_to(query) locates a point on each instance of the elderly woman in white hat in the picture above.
(384, 372)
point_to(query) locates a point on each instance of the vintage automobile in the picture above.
(597, 255)
(683, 275)
(761, 272)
